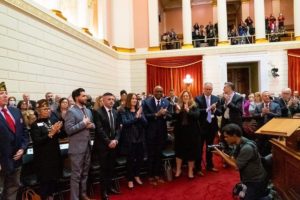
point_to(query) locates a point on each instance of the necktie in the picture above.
(208, 118)
(111, 121)
(9, 120)
(158, 105)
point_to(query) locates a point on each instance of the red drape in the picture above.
(294, 69)
(170, 72)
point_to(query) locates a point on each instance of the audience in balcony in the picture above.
(281, 22)
(210, 33)
(170, 40)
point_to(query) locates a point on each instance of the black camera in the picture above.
(212, 147)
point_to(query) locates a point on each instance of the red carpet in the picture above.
(213, 186)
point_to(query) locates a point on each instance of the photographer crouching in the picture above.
(247, 160)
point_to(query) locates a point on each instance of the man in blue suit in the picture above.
(13, 144)
(157, 111)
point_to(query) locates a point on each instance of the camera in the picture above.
(212, 147)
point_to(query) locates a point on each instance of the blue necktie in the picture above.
(208, 118)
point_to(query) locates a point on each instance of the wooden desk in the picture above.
(286, 170)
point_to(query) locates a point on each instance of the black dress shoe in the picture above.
(114, 191)
(104, 196)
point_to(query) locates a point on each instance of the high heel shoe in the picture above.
(177, 175)
(138, 180)
(130, 185)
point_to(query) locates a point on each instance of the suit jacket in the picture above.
(275, 111)
(11, 142)
(201, 102)
(157, 126)
(235, 109)
(79, 135)
(103, 133)
(284, 109)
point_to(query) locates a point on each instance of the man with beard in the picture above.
(157, 111)
(78, 122)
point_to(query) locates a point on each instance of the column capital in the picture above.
(245, 1)
(214, 2)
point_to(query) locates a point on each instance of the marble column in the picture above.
(260, 27)
(297, 19)
(222, 23)
(153, 24)
(187, 23)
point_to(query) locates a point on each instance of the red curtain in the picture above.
(170, 72)
(294, 69)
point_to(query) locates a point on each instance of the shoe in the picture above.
(159, 180)
(177, 175)
(130, 185)
(212, 169)
(200, 173)
(114, 191)
(138, 180)
(85, 197)
(152, 181)
(191, 177)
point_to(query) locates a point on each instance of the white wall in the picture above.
(36, 58)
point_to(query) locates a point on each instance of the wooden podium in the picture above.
(286, 155)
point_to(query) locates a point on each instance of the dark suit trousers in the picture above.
(134, 160)
(107, 161)
(154, 159)
(10, 184)
(80, 165)
(207, 137)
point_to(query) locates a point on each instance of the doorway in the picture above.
(244, 76)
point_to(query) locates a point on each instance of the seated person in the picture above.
(247, 160)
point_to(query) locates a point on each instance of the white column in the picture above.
(122, 25)
(245, 9)
(222, 22)
(276, 7)
(83, 17)
(187, 23)
(297, 19)
(259, 15)
(102, 19)
(215, 12)
(153, 24)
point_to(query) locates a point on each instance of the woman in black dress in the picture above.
(47, 158)
(186, 132)
(133, 121)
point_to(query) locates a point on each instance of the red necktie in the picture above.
(9, 120)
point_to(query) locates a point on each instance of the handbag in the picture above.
(168, 170)
(30, 194)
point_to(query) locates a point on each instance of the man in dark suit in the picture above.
(263, 113)
(30, 103)
(173, 99)
(78, 122)
(288, 105)
(13, 144)
(232, 110)
(107, 137)
(209, 111)
(157, 111)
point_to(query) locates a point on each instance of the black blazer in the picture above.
(103, 134)
(284, 109)
(201, 101)
(235, 109)
(11, 142)
(157, 127)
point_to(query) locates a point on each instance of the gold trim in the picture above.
(154, 48)
(123, 49)
(223, 43)
(245, 1)
(58, 13)
(174, 67)
(106, 42)
(214, 2)
(261, 40)
(297, 38)
(87, 31)
(59, 24)
(187, 46)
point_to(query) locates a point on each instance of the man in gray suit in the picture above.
(78, 123)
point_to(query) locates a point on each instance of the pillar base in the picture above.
(87, 31)
(223, 43)
(154, 48)
(261, 40)
(297, 38)
(59, 14)
(187, 46)
(125, 50)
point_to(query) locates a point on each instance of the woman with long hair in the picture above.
(60, 113)
(133, 121)
(186, 132)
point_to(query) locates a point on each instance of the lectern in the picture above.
(286, 155)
